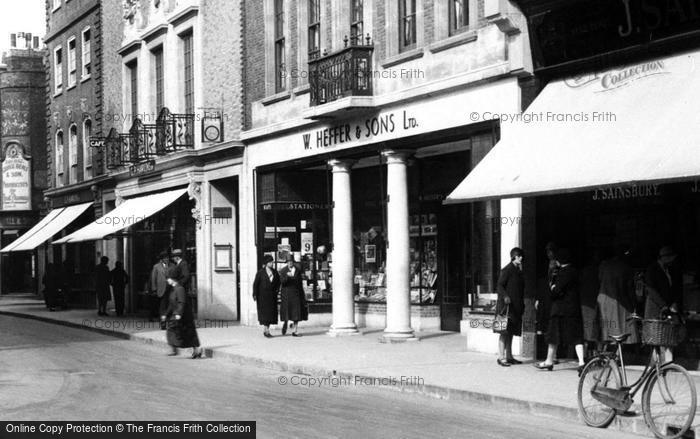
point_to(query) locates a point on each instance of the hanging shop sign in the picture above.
(16, 179)
(294, 206)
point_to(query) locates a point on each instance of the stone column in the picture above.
(398, 298)
(343, 261)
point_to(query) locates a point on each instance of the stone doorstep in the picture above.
(634, 424)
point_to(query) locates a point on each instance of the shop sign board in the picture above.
(567, 32)
(16, 179)
(142, 168)
(626, 192)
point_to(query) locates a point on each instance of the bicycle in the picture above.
(669, 397)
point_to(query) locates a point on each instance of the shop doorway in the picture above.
(454, 242)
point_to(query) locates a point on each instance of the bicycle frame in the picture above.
(652, 366)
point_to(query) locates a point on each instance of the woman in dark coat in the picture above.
(102, 279)
(565, 323)
(182, 332)
(119, 281)
(511, 300)
(265, 288)
(292, 302)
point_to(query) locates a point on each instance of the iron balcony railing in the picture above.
(347, 72)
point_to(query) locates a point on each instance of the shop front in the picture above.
(358, 202)
(600, 162)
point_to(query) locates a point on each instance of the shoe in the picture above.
(503, 363)
(196, 354)
(555, 362)
(580, 369)
(294, 334)
(544, 366)
(267, 334)
(284, 329)
(172, 353)
(513, 361)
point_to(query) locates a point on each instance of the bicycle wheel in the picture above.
(669, 402)
(598, 372)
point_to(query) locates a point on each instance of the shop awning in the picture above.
(634, 124)
(130, 212)
(54, 222)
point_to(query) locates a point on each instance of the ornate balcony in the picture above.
(345, 73)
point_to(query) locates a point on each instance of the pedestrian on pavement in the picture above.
(182, 331)
(543, 303)
(119, 281)
(158, 287)
(565, 325)
(102, 280)
(184, 276)
(617, 297)
(293, 302)
(664, 289)
(511, 302)
(51, 285)
(265, 288)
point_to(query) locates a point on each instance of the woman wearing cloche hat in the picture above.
(265, 287)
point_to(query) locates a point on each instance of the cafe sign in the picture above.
(16, 181)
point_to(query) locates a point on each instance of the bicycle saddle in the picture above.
(620, 338)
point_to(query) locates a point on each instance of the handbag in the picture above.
(500, 322)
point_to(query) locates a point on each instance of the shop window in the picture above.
(294, 218)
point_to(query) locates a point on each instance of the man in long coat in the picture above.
(102, 281)
(158, 286)
(265, 288)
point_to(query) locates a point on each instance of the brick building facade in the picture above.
(23, 178)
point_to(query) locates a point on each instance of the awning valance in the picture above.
(638, 123)
(54, 222)
(128, 213)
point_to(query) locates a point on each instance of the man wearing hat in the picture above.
(182, 271)
(265, 288)
(158, 285)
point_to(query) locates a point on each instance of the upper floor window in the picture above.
(87, 150)
(188, 63)
(73, 154)
(132, 68)
(86, 55)
(56, 4)
(280, 66)
(314, 28)
(59, 158)
(407, 24)
(356, 21)
(72, 69)
(158, 77)
(58, 70)
(459, 16)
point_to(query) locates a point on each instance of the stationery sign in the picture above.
(16, 183)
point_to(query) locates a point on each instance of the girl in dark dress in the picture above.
(182, 332)
(511, 300)
(265, 288)
(292, 300)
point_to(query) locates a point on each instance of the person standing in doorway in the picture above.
(183, 277)
(292, 297)
(511, 301)
(158, 286)
(565, 325)
(664, 290)
(119, 281)
(265, 288)
(102, 280)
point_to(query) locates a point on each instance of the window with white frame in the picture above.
(280, 54)
(86, 59)
(132, 69)
(59, 158)
(73, 154)
(72, 65)
(356, 21)
(58, 70)
(188, 63)
(459, 16)
(158, 78)
(314, 28)
(87, 150)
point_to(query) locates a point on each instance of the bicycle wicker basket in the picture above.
(662, 333)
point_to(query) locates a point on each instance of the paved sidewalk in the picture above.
(437, 366)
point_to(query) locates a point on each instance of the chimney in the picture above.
(36, 42)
